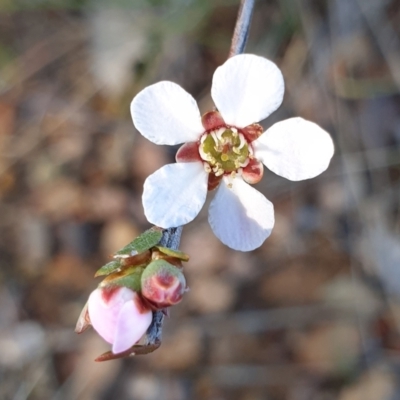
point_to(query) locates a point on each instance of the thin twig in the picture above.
(171, 239)
(242, 27)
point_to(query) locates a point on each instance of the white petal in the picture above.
(175, 194)
(246, 89)
(295, 149)
(240, 216)
(164, 113)
(131, 326)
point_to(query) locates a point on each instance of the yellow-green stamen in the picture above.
(226, 150)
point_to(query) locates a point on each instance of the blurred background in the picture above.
(314, 314)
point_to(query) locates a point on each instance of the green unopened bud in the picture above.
(163, 284)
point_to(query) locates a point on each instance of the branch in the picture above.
(171, 238)
(242, 27)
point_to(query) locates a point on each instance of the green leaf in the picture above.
(145, 241)
(129, 278)
(107, 269)
(129, 281)
(173, 253)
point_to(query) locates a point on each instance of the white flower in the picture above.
(226, 147)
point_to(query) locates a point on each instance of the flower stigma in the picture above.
(225, 150)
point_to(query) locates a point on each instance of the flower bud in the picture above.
(163, 284)
(119, 316)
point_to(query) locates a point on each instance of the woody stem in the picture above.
(242, 27)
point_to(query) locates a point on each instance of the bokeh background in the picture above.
(314, 314)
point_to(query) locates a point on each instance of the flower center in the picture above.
(225, 150)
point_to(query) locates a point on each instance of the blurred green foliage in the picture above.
(164, 5)
(20, 5)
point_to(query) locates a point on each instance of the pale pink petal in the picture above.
(240, 216)
(175, 194)
(104, 310)
(295, 149)
(165, 113)
(132, 324)
(246, 89)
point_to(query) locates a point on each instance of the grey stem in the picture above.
(242, 27)
(171, 239)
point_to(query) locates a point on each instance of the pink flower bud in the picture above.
(119, 316)
(163, 284)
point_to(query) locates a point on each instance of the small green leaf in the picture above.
(129, 281)
(173, 253)
(129, 278)
(145, 241)
(107, 269)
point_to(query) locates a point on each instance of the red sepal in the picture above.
(188, 152)
(213, 181)
(252, 132)
(212, 120)
(253, 172)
